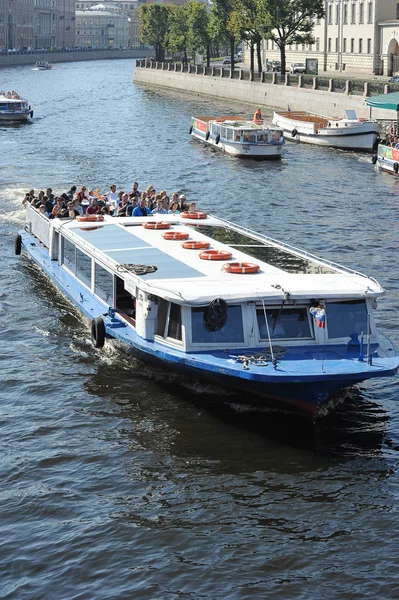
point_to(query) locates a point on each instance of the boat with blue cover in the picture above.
(198, 295)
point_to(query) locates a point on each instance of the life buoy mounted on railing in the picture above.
(215, 255)
(156, 225)
(241, 268)
(193, 215)
(90, 218)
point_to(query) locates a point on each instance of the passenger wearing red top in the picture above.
(93, 209)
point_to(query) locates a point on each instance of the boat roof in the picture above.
(6, 99)
(183, 277)
(237, 122)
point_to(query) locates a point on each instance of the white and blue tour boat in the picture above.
(349, 133)
(14, 109)
(238, 137)
(42, 65)
(206, 298)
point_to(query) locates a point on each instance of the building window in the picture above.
(352, 45)
(370, 13)
(337, 14)
(329, 44)
(344, 45)
(369, 46)
(397, 10)
(360, 46)
(317, 44)
(330, 9)
(345, 15)
(353, 13)
(361, 13)
(336, 44)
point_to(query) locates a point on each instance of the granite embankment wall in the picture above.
(274, 93)
(58, 57)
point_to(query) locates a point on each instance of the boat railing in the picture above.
(298, 251)
(37, 224)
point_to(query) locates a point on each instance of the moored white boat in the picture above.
(239, 137)
(265, 319)
(349, 133)
(14, 109)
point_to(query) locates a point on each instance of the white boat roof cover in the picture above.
(237, 123)
(5, 99)
(183, 277)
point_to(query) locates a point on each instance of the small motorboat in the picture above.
(349, 133)
(239, 137)
(387, 159)
(42, 65)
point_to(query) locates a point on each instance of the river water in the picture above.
(115, 483)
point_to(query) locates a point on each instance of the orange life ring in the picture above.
(241, 267)
(193, 215)
(90, 228)
(156, 225)
(195, 245)
(215, 255)
(175, 235)
(90, 218)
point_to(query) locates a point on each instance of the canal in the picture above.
(115, 482)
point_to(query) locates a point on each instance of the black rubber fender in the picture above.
(374, 159)
(18, 245)
(294, 133)
(217, 139)
(396, 167)
(31, 114)
(98, 332)
(208, 133)
(191, 130)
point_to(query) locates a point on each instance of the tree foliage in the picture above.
(154, 25)
(291, 22)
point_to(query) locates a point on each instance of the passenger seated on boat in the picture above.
(72, 212)
(42, 210)
(60, 202)
(77, 206)
(192, 207)
(93, 209)
(104, 210)
(174, 209)
(159, 209)
(82, 194)
(70, 193)
(131, 206)
(141, 210)
(183, 203)
(257, 116)
(135, 191)
(55, 213)
(123, 205)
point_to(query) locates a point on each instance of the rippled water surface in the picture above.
(115, 483)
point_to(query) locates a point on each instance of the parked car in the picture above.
(273, 65)
(394, 79)
(227, 59)
(297, 68)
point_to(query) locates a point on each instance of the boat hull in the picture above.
(254, 151)
(302, 389)
(15, 118)
(361, 137)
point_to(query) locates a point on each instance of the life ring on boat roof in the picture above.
(156, 225)
(175, 235)
(396, 167)
(208, 133)
(195, 245)
(241, 268)
(193, 215)
(90, 218)
(294, 133)
(217, 139)
(98, 332)
(215, 255)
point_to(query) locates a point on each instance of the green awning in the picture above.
(389, 101)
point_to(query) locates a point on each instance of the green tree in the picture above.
(154, 26)
(251, 25)
(223, 26)
(199, 34)
(291, 22)
(176, 36)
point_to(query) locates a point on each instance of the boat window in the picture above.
(229, 134)
(68, 257)
(261, 138)
(83, 267)
(237, 136)
(174, 328)
(288, 323)
(223, 132)
(261, 250)
(162, 314)
(125, 302)
(344, 318)
(104, 284)
(249, 136)
(232, 332)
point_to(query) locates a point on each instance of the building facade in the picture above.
(131, 8)
(45, 24)
(359, 36)
(65, 18)
(17, 24)
(102, 26)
